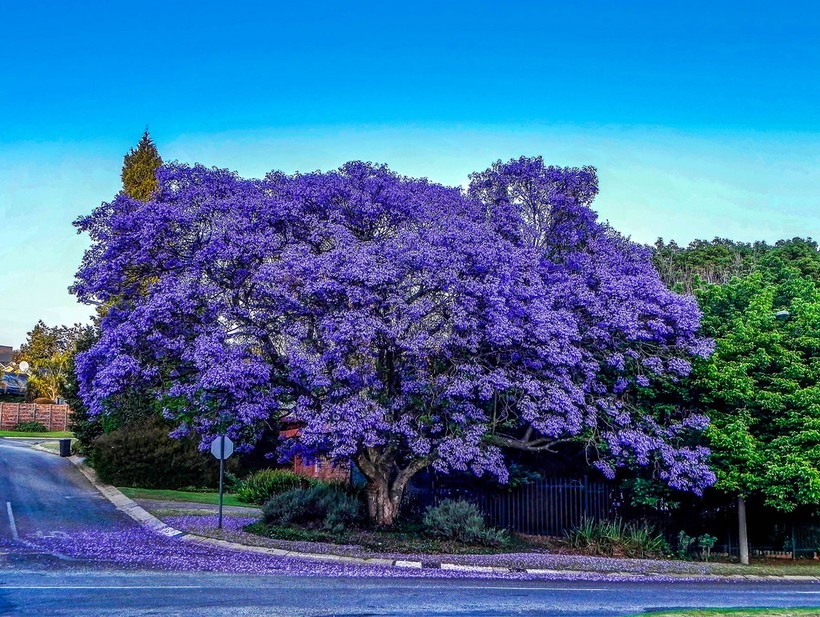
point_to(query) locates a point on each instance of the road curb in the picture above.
(125, 504)
(148, 520)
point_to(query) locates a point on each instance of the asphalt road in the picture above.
(48, 497)
(45, 494)
(90, 593)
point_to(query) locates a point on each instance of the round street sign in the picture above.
(216, 447)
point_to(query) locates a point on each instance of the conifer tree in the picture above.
(139, 169)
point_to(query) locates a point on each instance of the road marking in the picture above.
(104, 588)
(539, 588)
(11, 521)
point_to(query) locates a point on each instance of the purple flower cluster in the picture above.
(400, 322)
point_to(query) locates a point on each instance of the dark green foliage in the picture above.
(142, 455)
(521, 475)
(139, 169)
(86, 428)
(11, 398)
(324, 506)
(260, 486)
(133, 406)
(461, 521)
(297, 534)
(618, 539)
(691, 547)
(649, 493)
(30, 427)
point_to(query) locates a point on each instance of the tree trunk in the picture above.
(380, 506)
(384, 490)
(743, 539)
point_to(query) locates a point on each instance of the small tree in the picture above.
(48, 350)
(139, 169)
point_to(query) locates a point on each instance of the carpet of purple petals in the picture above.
(131, 547)
(568, 566)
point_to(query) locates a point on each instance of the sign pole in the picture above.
(221, 448)
(221, 475)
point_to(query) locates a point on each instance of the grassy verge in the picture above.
(49, 435)
(768, 612)
(167, 495)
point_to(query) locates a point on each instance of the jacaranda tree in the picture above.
(402, 323)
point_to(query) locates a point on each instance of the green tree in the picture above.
(48, 350)
(720, 260)
(139, 169)
(760, 387)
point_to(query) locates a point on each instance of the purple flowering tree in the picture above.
(403, 324)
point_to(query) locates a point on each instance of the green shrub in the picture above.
(142, 455)
(461, 521)
(318, 506)
(30, 427)
(260, 486)
(616, 538)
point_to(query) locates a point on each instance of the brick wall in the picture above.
(53, 417)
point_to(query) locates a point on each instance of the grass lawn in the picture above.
(768, 612)
(50, 435)
(167, 495)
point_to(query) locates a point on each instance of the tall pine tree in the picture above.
(139, 169)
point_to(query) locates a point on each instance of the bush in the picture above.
(616, 538)
(30, 427)
(43, 400)
(461, 521)
(260, 486)
(142, 455)
(323, 506)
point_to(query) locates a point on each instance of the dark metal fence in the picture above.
(545, 506)
(548, 506)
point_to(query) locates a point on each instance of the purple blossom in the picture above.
(400, 322)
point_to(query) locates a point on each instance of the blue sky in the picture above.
(702, 118)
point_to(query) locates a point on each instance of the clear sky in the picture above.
(703, 118)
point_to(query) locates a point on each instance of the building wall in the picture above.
(53, 417)
(321, 469)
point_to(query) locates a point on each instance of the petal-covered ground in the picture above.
(131, 547)
(568, 566)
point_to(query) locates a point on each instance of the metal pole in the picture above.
(743, 539)
(221, 475)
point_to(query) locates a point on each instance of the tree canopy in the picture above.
(139, 169)
(402, 323)
(718, 261)
(760, 388)
(48, 350)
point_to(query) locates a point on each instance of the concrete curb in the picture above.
(124, 504)
(144, 518)
(40, 448)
